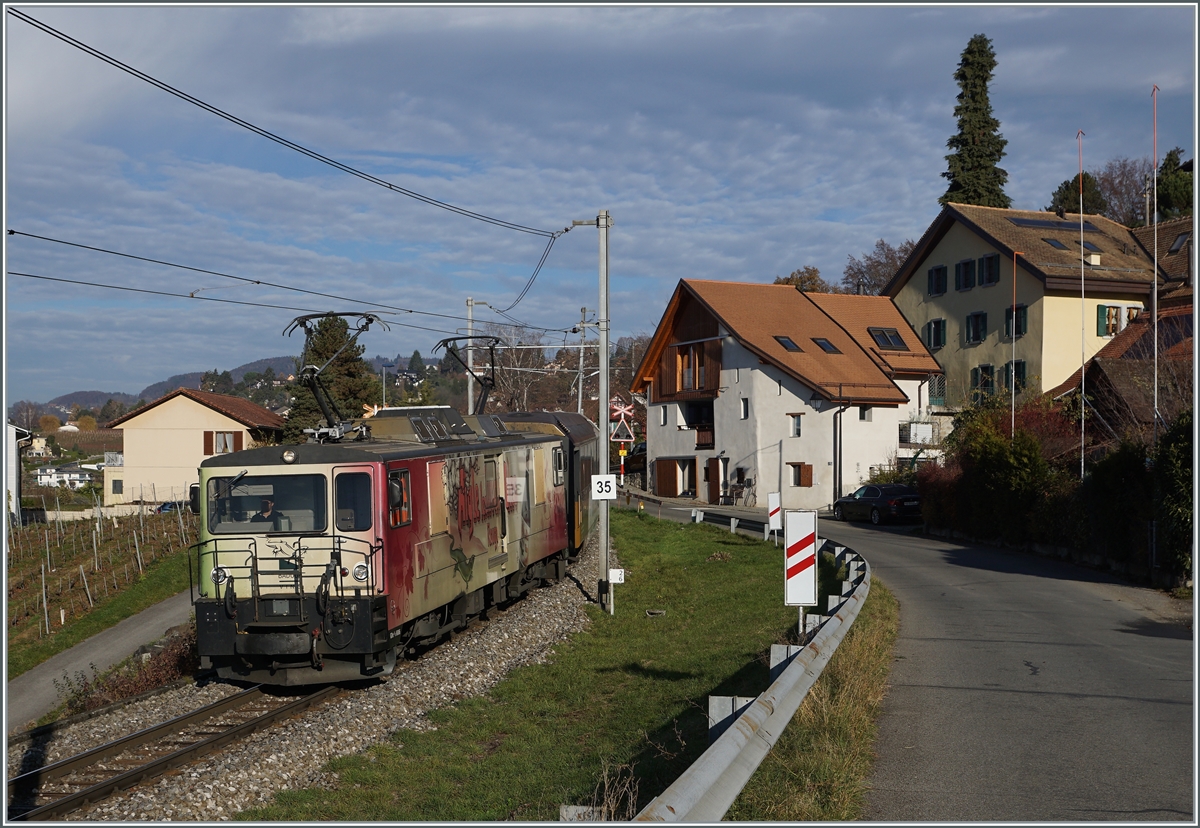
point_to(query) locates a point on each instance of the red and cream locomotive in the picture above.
(321, 562)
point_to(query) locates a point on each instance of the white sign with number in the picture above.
(604, 487)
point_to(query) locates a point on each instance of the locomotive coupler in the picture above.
(317, 662)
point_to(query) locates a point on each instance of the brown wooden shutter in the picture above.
(714, 479)
(237, 441)
(208, 442)
(712, 359)
(806, 471)
(666, 478)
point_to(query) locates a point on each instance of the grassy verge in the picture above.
(816, 770)
(118, 589)
(618, 713)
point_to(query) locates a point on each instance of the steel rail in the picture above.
(28, 785)
(707, 789)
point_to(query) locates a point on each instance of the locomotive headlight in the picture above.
(360, 572)
(219, 575)
(289, 456)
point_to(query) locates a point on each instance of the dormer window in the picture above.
(788, 344)
(888, 339)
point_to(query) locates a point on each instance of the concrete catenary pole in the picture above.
(602, 223)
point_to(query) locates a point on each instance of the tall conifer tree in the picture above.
(978, 147)
(349, 379)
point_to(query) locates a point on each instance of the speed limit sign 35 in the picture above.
(604, 487)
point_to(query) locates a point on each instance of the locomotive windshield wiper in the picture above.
(229, 486)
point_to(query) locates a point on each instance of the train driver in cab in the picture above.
(267, 513)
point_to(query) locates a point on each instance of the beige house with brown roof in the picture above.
(957, 289)
(166, 440)
(765, 387)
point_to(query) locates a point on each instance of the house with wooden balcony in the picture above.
(755, 388)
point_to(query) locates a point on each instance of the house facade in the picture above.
(16, 438)
(72, 477)
(1014, 297)
(166, 440)
(755, 388)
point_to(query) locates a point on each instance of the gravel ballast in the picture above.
(290, 755)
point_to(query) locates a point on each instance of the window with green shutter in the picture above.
(1022, 321)
(989, 269)
(937, 280)
(964, 275)
(976, 328)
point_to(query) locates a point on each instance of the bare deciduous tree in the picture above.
(1122, 182)
(808, 279)
(876, 268)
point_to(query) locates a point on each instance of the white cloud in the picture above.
(726, 142)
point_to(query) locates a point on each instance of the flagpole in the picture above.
(1082, 314)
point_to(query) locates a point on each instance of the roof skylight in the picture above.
(788, 344)
(888, 338)
(1056, 244)
(825, 345)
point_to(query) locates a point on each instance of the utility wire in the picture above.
(280, 286)
(316, 156)
(202, 298)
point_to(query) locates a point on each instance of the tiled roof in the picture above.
(1123, 263)
(858, 314)
(1173, 265)
(242, 410)
(756, 313)
(1136, 342)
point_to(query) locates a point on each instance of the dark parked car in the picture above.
(879, 503)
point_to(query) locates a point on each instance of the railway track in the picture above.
(89, 777)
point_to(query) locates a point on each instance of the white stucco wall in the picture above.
(763, 443)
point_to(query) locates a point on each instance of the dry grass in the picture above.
(818, 768)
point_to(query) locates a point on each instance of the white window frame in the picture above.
(745, 410)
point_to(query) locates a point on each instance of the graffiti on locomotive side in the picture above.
(471, 507)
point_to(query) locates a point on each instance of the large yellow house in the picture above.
(166, 440)
(1069, 286)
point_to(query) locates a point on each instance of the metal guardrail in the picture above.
(707, 789)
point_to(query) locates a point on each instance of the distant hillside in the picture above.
(89, 399)
(61, 406)
(282, 366)
(159, 389)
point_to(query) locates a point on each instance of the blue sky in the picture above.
(726, 142)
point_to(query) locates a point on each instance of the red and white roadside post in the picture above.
(800, 560)
(774, 516)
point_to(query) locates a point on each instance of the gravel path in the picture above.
(292, 754)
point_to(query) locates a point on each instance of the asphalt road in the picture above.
(32, 694)
(1027, 689)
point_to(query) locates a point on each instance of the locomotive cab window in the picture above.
(353, 493)
(259, 504)
(399, 504)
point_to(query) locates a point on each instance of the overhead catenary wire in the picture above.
(551, 235)
(200, 298)
(265, 283)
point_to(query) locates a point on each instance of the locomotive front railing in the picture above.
(344, 565)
